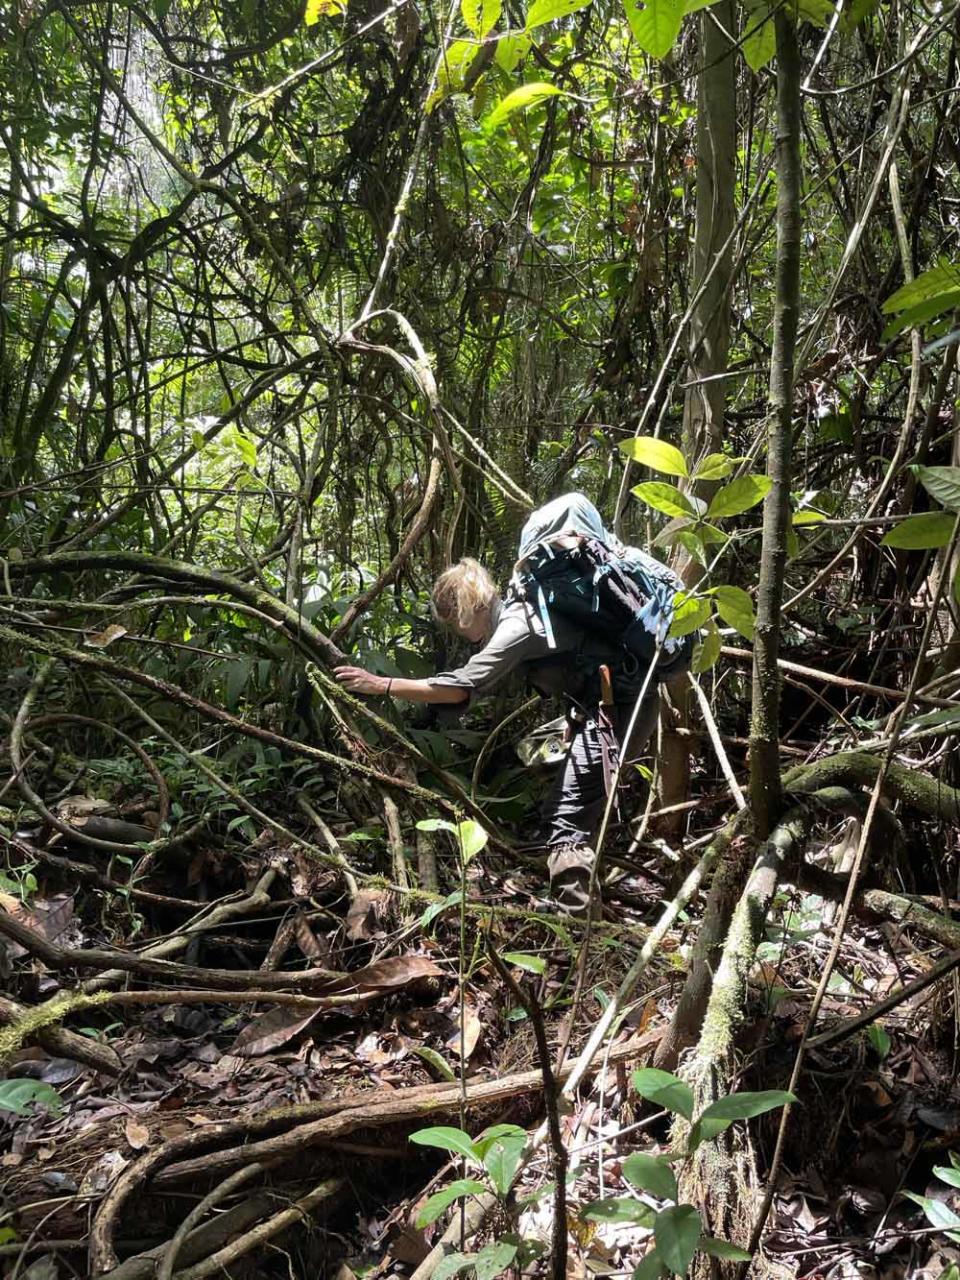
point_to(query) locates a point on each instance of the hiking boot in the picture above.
(570, 867)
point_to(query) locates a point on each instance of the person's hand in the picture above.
(359, 681)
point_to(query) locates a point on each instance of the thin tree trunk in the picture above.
(709, 332)
(765, 793)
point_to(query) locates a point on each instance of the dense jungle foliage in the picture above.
(297, 307)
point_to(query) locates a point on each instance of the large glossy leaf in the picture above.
(441, 1200)
(938, 281)
(740, 1106)
(736, 609)
(942, 483)
(738, 496)
(919, 533)
(656, 454)
(501, 1159)
(542, 11)
(481, 16)
(677, 1233)
(759, 41)
(446, 1138)
(664, 1089)
(647, 1173)
(715, 466)
(528, 95)
(655, 25)
(688, 616)
(511, 48)
(664, 497)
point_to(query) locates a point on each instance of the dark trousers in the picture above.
(573, 807)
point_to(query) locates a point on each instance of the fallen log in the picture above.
(336, 1118)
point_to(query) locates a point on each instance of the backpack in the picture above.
(570, 564)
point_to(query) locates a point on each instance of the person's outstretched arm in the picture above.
(357, 680)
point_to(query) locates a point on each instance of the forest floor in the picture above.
(297, 1116)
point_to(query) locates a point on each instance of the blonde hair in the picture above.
(461, 592)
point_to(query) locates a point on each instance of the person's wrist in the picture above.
(387, 687)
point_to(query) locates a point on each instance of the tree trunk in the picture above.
(765, 793)
(709, 333)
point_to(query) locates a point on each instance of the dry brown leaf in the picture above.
(395, 971)
(307, 940)
(364, 914)
(271, 1030)
(101, 639)
(137, 1135)
(471, 1033)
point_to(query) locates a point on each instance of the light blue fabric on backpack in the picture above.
(571, 511)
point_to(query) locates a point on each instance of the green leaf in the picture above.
(647, 1173)
(494, 1258)
(740, 1106)
(457, 60)
(665, 1090)
(511, 48)
(452, 1264)
(736, 609)
(435, 824)
(938, 1214)
(528, 95)
(919, 533)
(543, 11)
(677, 1233)
(436, 908)
(532, 964)
(715, 466)
(481, 16)
(441, 1200)
(759, 41)
(472, 838)
(655, 25)
(435, 1060)
(723, 1249)
(942, 483)
(246, 449)
(501, 1158)
(938, 281)
(739, 496)
(651, 1267)
(922, 313)
(689, 616)
(687, 539)
(664, 497)
(656, 454)
(707, 651)
(447, 1139)
(879, 1039)
(807, 517)
(19, 1095)
(496, 1133)
(710, 535)
(619, 1209)
(948, 1175)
